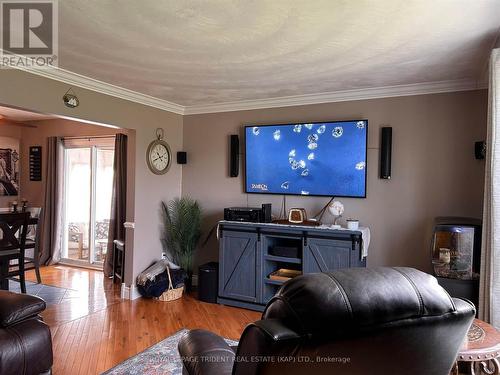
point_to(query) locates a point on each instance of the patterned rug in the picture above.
(52, 295)
(162, 358)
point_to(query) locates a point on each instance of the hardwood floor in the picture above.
(94, 330)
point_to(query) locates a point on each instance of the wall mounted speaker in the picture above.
(234, 157)
(385, 153)
(181, 157)
(480, 150)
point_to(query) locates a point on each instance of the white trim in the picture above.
(124, 291)
(129, 292)
(80, 264)
(129, 225)
(423, 88)
(339, 96)
(134, 292)
(88, 83)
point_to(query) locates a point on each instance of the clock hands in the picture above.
(159, 158)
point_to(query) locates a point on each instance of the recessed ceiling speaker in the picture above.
(234, 158)
(385, 153)
(181, 157)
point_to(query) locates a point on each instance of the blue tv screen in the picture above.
(324, 158)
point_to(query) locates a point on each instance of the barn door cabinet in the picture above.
(250, 252)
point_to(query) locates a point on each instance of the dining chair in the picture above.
(12, 245)
(33, 241)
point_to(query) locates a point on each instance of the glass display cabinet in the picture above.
(453, 252)
(456, 255)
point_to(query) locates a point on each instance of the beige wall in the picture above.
(34, 191)
(434, 171)
(11, 131)
(23, 90)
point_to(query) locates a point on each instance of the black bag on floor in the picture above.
(156, 287)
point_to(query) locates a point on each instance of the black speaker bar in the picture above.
(234, 158)
(386, 153)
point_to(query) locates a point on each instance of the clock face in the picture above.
(158, 157)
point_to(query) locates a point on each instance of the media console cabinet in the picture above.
(247, 256)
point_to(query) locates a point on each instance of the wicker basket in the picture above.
(171, 293)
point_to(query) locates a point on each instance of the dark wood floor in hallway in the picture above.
(93, 329)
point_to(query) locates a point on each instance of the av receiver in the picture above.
(249, 214)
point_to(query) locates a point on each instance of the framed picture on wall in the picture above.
(9, 166)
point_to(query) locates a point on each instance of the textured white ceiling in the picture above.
(214, 51)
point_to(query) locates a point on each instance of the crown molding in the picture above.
(436, 87)
(339, 96)
(88, 83)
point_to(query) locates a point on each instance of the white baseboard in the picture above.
(129, 292)
(80, 264)
(124, 292)
(134, 293)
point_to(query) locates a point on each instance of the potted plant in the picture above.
(182, 219)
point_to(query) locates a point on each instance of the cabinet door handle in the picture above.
(354, 240)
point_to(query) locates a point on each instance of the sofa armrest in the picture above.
(464, 306)
(204, 352)
(264, 339)
(15, 308)
(276, 330)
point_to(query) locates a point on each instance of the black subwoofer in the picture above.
(208, 282)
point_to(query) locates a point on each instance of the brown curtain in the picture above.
(52, 208)
(118, 200)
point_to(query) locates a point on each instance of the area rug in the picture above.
(162, 358)
(52, 295)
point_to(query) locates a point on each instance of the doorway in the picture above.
(88, 173)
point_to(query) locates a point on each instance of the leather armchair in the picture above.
(353, 321)
(25, 340)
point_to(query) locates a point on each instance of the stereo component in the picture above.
(266, 213)
(249, 214)
(386, 153)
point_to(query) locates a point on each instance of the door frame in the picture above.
(90, 262)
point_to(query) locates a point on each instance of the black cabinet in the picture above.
(250, 252)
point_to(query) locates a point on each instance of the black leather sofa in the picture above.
(354, 321)
(25, 340)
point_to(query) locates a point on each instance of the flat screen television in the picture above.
(322, 159)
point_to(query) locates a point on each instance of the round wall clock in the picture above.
(158, 154)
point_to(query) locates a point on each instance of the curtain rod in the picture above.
(90, 137)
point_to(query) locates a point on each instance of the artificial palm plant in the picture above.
(182, 218)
